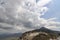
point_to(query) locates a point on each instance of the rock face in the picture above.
(40, 34)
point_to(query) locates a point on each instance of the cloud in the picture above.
(43, 2)
(24, 15)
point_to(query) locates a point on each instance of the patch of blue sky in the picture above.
(54, 10)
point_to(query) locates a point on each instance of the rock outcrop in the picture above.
(40, 34)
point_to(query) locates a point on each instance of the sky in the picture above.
(25, 15)
(54, 10)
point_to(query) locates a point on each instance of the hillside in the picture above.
(40, 34)
(14, 36)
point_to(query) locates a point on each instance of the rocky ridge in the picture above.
(40, 34)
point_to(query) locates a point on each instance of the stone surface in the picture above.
(38, 34)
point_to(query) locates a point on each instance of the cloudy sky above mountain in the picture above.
(24, 15)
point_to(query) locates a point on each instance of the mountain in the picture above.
(42, 32)
(43, 29)
(10, 35)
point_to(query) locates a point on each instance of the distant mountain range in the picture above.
(10, 35)
(43, 29)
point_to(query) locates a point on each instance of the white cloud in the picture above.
(24, 15)
(43, 2)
